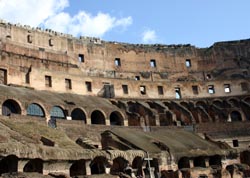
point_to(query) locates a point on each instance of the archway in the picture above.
(119, 165)
(183, 163)
(235, 116)
(116, 118)
(245, 157)
(78, 114)
(34, 165)
(55, 113)
(97, 117)
(137, 164)
(215, 160)
(78, 168)
(199, 162)
(35, 110)
(10, 106)
(98, 165)
(9, 164)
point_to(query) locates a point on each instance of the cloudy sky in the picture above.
(198, 22)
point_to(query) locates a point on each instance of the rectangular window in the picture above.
(153, 63)
(137, 77)
(125, 89)
(195, 89)
(227, 88)
(29, 39)
(51, 42)
(160, 90)
(143, 89)
(177, 93)
(27, 78)
(211, 89)
(81, 57)
(188, 63)
(48, 81)
(244, 86)
(235, 143)
(68, 84)
(88, 86)
(117, 62)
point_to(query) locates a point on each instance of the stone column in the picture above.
(88, 121)
(191, 163)
(107, 122)
(207, 162)
(87, 166)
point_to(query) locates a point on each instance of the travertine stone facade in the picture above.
(122, 70)
(122, 109)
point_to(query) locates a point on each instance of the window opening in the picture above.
(188, 63)
(81, 57)
(143, 90)
(48, 81)
(137, 77)
(88, 86)
(211, 89)
(153, 63)
(160, 90)
(68, 84)
(235, 143)
(125, 89)
(117, 62)
(177, 93)
(227, 88)
(195, 89)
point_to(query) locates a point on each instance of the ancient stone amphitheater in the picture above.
(83, 107)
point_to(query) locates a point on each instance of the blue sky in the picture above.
(198, 22)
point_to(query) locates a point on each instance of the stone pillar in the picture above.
(88, 121)
(191, 163)
(107, 122)
(207, 162)
(157, 120)
(125, 122)
(87, 166)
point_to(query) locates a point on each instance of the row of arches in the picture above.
(11, 106)
(99, 165)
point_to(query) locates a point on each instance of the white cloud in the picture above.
(149, 36)
(30, 12)
(86, 24)
(50, 14)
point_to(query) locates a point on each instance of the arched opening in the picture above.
(215, 161)
(97, 117)
(119, 165)
(78, 168)
(10, 106)
(116, 118)
(235, 116)
(78, 114)
(218, 103)
(137, 165)
(34, 165)
(35, 110)
(183, 163)
(245, 157)
(98, 165)
(199, 162)
(55, 113)
(9, 164)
